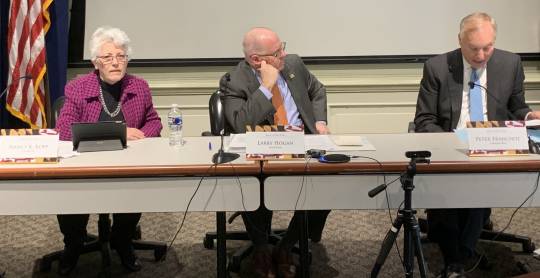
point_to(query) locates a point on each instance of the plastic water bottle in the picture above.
(175, 121)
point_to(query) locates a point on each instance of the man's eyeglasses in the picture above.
(278, 52)
(120, 58)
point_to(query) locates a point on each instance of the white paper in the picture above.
(65, 149)
(347, 140)
(237, 142)
(324, 142)
(532, 123)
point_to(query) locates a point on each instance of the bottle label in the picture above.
(175, 120)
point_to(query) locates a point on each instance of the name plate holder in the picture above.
(275, 145)
(497, 138)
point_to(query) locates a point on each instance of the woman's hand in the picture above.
(134, 134)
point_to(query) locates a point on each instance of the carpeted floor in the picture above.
(349, 246)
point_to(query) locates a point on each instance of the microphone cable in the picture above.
(389, 210)
(507, 224)
(239, 182)
(187, 207)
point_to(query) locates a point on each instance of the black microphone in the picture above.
(509, 114)
(472, 84)
(221, 156)
(18, 79)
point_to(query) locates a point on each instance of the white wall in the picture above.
(214, 29)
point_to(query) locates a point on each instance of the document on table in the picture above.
(237, 143)
(338, 143)
(532, 123)
(65, 149)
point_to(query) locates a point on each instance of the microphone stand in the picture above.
(221, 156)
(17, 80)
(406, 217)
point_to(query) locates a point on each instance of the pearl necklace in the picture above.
(102, 100)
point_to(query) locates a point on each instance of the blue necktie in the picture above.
(475, 99)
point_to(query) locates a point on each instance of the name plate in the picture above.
(491, 138)
(28, 144)
(274, 143)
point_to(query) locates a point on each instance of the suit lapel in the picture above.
(455, 84)
(289, 76)
(493, 75)
(92, 104)
(295, 87)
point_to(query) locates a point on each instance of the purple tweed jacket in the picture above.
(82, 105)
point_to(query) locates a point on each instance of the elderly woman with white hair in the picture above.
(106, 94)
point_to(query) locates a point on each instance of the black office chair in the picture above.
(56, 107)
(487, 232)
(218, 123)
(100, 242)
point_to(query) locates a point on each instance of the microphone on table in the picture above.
(221, 156)
(17, 80)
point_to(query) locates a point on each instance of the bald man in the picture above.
(446, 101)
(270, 87)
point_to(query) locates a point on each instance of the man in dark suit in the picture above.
(447, 100)
(270, 87)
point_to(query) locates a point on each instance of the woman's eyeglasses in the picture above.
(107, 59)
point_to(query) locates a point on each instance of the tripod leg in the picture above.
(408, 250)
(418, 249)
(387, 244)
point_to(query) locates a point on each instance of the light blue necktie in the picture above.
(475, 99)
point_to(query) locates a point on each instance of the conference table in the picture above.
(452, 179)
(151, 176)
(147, 176)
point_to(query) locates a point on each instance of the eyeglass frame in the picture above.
(120, 58)
(277, 52)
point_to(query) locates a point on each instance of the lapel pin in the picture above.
(291, 76)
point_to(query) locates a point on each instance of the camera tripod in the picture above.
(406, 217)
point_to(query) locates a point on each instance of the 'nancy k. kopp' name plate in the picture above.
(494, 138)
(28, 146)
(275, 145)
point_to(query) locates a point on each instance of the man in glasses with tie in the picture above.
(271, 87)
(453, 92)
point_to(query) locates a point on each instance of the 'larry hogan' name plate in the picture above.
(274, 143)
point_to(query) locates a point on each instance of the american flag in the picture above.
(28, 22)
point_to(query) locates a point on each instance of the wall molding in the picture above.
(357, 94)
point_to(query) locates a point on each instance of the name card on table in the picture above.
(28, 146)
(274, 145)
(494, 138)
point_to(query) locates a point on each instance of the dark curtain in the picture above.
(57, 50)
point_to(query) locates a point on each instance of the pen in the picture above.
(209, 146)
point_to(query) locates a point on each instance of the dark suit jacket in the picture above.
(244, 104)
(441, 90)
